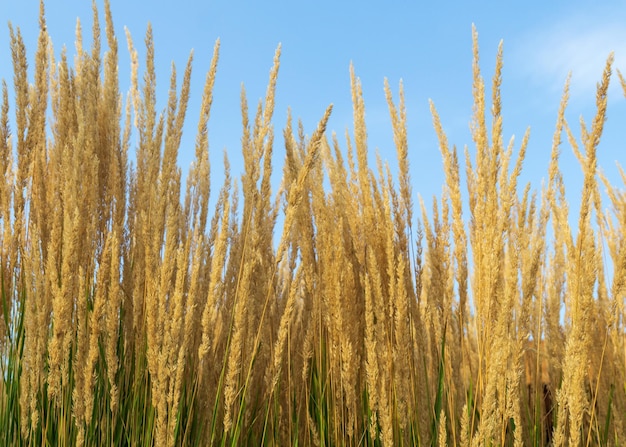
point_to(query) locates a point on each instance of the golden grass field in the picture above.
(134, 314)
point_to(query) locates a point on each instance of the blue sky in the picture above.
(428, 46)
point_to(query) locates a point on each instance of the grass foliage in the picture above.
(133, 314)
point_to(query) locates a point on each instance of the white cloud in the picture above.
(546, 55)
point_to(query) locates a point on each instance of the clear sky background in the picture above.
(426, 44)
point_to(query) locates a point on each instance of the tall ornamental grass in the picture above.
(132, 313)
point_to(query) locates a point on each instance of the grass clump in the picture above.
(132, 315)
